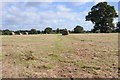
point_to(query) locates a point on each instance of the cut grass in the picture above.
(54, 56)
(49, 66)
(88, 53)
(76, 62)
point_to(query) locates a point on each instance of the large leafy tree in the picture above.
(78, 29)
(102, 16)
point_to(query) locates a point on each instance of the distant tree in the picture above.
(38, 32)
(57, 30)
(6, 32)
(43, 32)
(17, 32)
(102, 16)
(53, 32)
(87, 31)
(71, 31)
(61, 30)
(33, 31)
(0, 32)
(78, 29)
(48, 30)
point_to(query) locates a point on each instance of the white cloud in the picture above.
(30, 15)
(78, 3)
(39, 4)
(62, 8)
(48, 18)
(56, 0)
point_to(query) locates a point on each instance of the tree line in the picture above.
(101, 15)
(49, 30)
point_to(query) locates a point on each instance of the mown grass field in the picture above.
(57, 56)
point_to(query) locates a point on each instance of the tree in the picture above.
(71, 31)
(33, 31)
(57, 30)
(48, 30)
(6, 32)
(0, 32)
(43, 32)
(78, 29)
(118, 27)
(38, 31)
(17, 32)
(102, 16)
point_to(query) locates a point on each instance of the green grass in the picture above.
(49, 66)
(54, 56)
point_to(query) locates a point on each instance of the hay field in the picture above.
(57, 56)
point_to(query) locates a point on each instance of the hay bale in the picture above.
(21, 34)
(65, 32)
(12, 33)
(26, 33)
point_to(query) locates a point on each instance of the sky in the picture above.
(39, 15)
